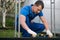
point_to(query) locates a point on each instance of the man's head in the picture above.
(38, 6)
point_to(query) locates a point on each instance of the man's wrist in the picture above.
(28, 30)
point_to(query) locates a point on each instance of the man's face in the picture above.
(37, 9)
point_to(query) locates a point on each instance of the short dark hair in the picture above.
(39, 2)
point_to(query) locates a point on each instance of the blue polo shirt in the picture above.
(27, 11)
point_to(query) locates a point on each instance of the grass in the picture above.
(6, 33)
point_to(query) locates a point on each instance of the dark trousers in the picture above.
(36, 27)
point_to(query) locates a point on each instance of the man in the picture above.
(28, 13)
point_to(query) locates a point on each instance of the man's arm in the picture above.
(44, 22)
(22, 21)
(46, 26)
(24, 25)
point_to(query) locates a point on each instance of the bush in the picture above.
(9, 22)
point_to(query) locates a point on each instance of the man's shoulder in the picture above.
(26, 7)
(25, 10)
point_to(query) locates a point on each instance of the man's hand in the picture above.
(49, 33)
(34, 34)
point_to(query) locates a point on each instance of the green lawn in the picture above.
(7, 33)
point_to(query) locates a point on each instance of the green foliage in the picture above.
(10, 7)
(9, 22)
